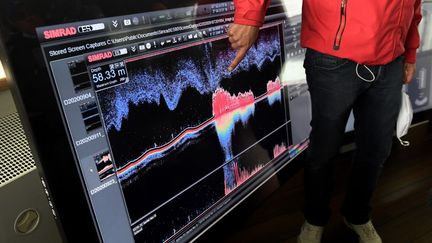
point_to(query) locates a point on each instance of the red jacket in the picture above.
(372, 32)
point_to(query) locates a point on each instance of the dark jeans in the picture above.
(336, 90)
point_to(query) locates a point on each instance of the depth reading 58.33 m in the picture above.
(108, 75)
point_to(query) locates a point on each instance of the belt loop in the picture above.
(381, 69)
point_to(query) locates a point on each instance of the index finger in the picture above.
(239, 57)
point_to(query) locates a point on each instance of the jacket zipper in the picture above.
(342, 25)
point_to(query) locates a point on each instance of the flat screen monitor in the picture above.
(140, 132)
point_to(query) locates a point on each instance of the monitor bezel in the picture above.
(71, 203)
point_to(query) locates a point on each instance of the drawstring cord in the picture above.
(370, 71)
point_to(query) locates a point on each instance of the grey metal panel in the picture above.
(20, 184)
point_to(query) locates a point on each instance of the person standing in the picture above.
(359, 54)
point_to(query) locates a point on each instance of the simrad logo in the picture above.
(61, 32)
(100, 56)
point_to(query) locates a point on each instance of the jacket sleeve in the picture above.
(412, 41)
(250, 12)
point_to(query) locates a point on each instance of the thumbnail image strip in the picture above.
(104, 165)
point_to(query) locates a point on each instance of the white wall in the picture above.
(2, 74)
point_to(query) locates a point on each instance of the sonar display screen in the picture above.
(184, 124)
(167, 139)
